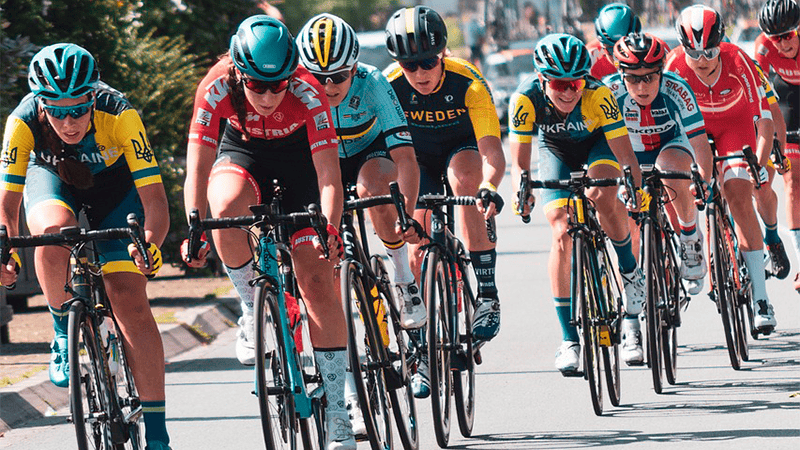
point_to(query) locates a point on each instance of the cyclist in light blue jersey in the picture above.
(667, 129)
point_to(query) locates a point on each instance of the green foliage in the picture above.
(15, 55)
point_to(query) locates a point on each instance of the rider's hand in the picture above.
(10, 271)
(527, 207)
(199, 261)
(491, 203)
(335, 245)
(413, 234)
(636, 204)
(153, 254)
(693, 191)
(763, 175)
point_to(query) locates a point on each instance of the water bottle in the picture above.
(110, 344)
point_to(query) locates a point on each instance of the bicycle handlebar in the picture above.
(749, 157)
(650, 171)
(523, 194)
(433, 201)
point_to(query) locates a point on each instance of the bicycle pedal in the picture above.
(635, 363)
(765, 331)
(572, 373)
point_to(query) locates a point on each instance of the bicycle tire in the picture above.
(365, 348)
(722, 287)
(398, 378)
(588, 314)
(464, 377)
(275, 399)
(672, 312)
(126, 398)
(436, 292)
(743, 299)
(312, 428)
(653, 304)
(612, 299)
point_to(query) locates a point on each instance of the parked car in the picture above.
(373, 49)
(504, 71)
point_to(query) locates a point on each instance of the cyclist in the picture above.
(777, 52)
(456, 131)
(736, 112)
(374, 143)
(666, 128)
(579, 123)
(614, 21)
(279, 128)
(74, 143)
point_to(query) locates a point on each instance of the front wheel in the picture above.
(722, 258)
(587, 301)
(654, 304)
(436, 292)
(464, 369)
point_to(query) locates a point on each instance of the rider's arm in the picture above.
(486, 125)
(623, 151)
(703, 154)
(18, 143)
(521, 120)
(779, 123)
(764, 125)
(329, 179)
(199, 160)
(407, 174)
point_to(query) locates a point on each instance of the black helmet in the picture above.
(415, 33)
(778, 17)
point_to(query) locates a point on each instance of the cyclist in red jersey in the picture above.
(279, 126)
(614, 21)
(735, 109)
(777, 54)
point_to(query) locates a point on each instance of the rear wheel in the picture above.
(612, 301)
(436, 292)
(589, 316)
(654, 304)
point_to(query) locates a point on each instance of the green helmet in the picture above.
(62, 71)
(264, 49)
(561, 55)
(615, 21)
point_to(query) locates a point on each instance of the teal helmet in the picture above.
(615, 21)
(264, 49)
(561, 55)
(62, 71)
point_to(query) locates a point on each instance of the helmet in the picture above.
(62, 71)
(327, 44)
(615, 21)
(640, 50)
(561, 56)
(415, 33)
(264, 49)
(778, 16)
(700, 27)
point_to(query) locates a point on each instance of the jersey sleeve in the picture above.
(685, 104)
(521, 118)
(755, 92)
(139, 155)
(211, 106)
(603, 108)
(318, 118)
(388, 111)
(18, 143)
(766, 86)
(481, 110)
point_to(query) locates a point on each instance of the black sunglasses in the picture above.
(335, 78)
(424, 64)
(636, 79)
(261, 86)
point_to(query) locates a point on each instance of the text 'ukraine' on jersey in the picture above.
(116, 130)
(770, 59)
(458, 110)
(570, 137)
(370, 111)
(305, 103)
(672, 114)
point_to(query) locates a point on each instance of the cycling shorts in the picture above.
(351, 166)
(679, 143)
(433, 168)
(552, 167)
(106, 205)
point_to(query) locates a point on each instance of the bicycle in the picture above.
(447, 292)
(380, 351)
(596, 306)
(288, 384)
(666, 295)
(105, 408)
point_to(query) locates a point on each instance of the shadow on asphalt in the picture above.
(205, 365)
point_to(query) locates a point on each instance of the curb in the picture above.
(37, 397)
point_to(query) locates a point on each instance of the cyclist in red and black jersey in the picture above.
(777, 52)
(613, 22)
(279, 127)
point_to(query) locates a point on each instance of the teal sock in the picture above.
(60, 320)
(627, 262)
(568, 332)
(771, 234)
(155, 422)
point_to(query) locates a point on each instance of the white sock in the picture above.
(332, 366)
(398, 257)
(754, 261)
(241, 282)
(795, 233)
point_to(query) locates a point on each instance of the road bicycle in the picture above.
(288, 384)
(105, 408)
(666, 294)
(380, 351)
(596, 306)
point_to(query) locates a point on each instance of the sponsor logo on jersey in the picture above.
(555, 128)
(448, 98)
(747, 86)
(520, 118)
(306, 93)
(436, 116)
(355, 102)
(203, 117)
(660, 112)
(278, 116)
(215, 92)
(653, 129)
(678, 93)
(413, 99)
(9, 157)
(725, 92)
(632, 115)
(142, 148)
(318, 144)
(321, 121)
(610, 109)
(252, 117)
(210, 140)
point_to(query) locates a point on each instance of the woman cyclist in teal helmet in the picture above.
(57, 154)
(579, 123)
(279, 127)
(613, 22)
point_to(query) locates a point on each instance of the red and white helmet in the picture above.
(700, 27)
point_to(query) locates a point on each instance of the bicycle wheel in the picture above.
(312, 428)
(672, 311)
(743, 298)
(88, 396)
(398, 377)
(436, 292)
(464, 367)
(275, 398)
(128, 404)
(587, 301)
(722, 280)
(612, 300)
(654, 302)
(365, 350)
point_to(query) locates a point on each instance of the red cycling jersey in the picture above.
(733, 103)
(768, 57)
(304, 104)
(602, 62)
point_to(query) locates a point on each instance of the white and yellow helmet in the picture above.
(327, 44)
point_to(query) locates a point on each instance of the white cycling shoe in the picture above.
(245, 341)
(568, 357)
(339, 431)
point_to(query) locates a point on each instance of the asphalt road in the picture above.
(522, 401)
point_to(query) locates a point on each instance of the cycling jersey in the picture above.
(602, 62)
(304, 104)
(786, 80)
(370, 112)
(670, 120)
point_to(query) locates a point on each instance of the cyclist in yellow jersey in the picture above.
(76, 144)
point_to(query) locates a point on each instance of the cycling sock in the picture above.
(332, 363)
(627, 262)
(795, 233)
(484, 263)
(754, 261)
(155, 422)
(568, 332)
(688, 229)
(60, 319)
(398, 257)
(771, 233)
(240, 277)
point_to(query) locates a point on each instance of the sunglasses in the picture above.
(424, 64)
(74, 111)
(709, 53)
(636, 79)
(563, 85)
(783, 37)
(335, 78)
(261, 86)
